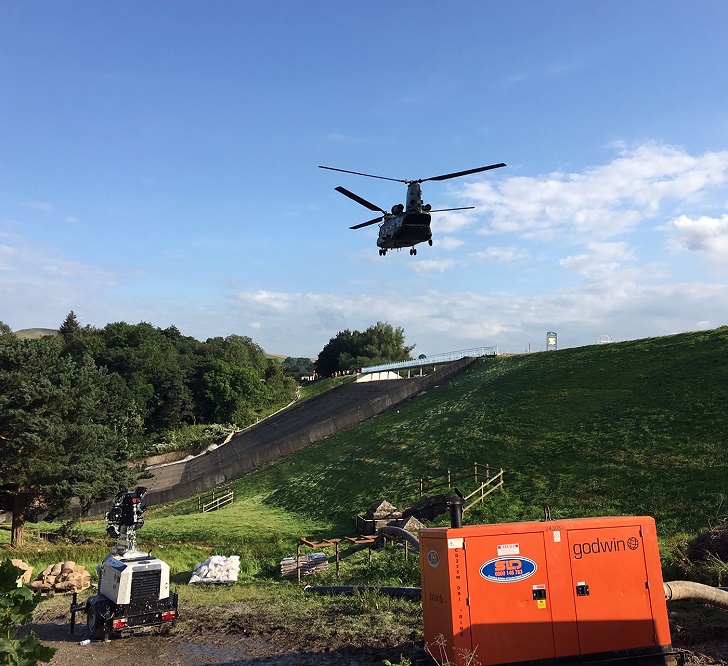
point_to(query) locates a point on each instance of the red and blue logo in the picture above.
(508, 569)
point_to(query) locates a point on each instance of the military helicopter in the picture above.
(406, 225)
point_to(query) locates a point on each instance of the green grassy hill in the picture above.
(35, 333)
(624, 428)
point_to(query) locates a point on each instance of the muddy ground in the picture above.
(228, 636)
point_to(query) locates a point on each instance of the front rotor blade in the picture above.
(366, 224)
(359, 200)
(464, 173)
(358, 173)
(442, 210)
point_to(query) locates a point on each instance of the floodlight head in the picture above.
(127, 509)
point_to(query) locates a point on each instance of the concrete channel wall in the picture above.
(286, 432)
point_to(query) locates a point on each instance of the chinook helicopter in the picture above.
(406, 225)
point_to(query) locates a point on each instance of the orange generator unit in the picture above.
(577, 591)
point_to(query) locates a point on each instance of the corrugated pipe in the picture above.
(679, 590)
(411, 593)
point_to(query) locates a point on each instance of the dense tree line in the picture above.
(174, 380)
(349, 351)
(76, 407)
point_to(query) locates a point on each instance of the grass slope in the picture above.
(624, 428)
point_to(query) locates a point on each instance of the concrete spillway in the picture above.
(286, 432)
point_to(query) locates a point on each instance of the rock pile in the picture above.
(62, 578)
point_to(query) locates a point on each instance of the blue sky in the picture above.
(159, 163)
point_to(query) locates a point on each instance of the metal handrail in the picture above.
(434, 360)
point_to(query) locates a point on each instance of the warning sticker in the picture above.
(508, 549)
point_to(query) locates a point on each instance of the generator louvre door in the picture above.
(611, 595)
(511, 620)
(444, 596)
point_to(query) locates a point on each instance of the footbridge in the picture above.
(382, 371)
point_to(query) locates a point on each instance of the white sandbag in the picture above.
(218, 569)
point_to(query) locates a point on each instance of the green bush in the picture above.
(16, 609)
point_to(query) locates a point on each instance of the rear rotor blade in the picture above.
(358, 173)
(464, 173)
(359, 200)
(442, 210)
(366, 224)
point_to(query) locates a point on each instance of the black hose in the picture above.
(411, 593)
(398, 532)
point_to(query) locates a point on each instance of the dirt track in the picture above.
(231, 636)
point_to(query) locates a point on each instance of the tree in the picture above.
(329, 358)
(70, 327)
(5, 329)
(233, 393)
(351, 350)
(156, 375)
(64, 431)
(298, 366)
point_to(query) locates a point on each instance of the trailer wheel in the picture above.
(94, 623)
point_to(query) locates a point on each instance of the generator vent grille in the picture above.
(145, 585)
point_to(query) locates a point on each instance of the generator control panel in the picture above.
(516, 592)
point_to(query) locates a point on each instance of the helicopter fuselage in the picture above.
(406, 226)
(404, 230)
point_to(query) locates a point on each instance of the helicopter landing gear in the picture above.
(413, 251)
(382, 252)
(429, 242)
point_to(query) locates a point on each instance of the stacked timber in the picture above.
(62, 578)
(308, 564)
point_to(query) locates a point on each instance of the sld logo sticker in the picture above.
(508, 569)
(433, 558)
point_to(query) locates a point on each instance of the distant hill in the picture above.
(34, 333)
(628, 428)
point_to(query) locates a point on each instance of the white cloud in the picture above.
(449, 243)
(39, 205)
(448, 222)
(422, 266)
(602, 201)
(505, 255)
(600, 261)
(702, 234)
(623, 305)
